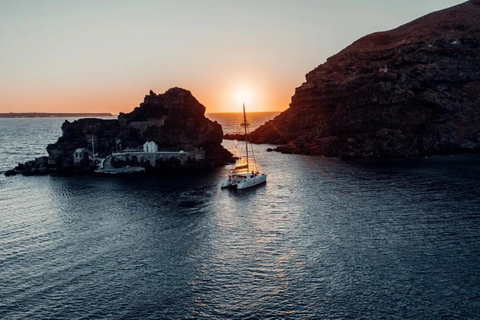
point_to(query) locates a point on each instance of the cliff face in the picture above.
(174, 120)
(414, 90)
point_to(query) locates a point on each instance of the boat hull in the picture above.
(226, 184)
(251, 182)
(246, 183)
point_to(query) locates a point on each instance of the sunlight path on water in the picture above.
(322, 239)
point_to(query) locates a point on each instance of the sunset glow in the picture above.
(99, 56)
(254, 159)
(243, 96)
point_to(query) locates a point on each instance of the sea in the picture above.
(323, 239)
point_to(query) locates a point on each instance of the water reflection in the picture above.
(322, 239)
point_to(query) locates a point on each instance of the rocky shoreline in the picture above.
(174, 122)
(411, 91)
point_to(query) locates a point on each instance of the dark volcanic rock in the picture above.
(78, 134)
(414, 90)
(174, 120)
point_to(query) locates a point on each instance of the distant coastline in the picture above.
(52, 115)
(92, 114)
(241, 112)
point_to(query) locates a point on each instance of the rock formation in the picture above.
(174, 120)
(414, 90)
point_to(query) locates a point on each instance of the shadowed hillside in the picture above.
(414, 90)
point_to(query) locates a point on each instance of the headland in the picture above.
(167, 133)
(411, 91)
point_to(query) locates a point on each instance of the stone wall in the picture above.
(152, 157)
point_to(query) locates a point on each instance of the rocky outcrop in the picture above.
(414, 90)
(174, 120)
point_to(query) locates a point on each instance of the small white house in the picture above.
(82, 154)
(150, 146)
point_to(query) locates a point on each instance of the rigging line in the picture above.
(253, 153)
(246, 135)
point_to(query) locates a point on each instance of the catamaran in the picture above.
(241, 177)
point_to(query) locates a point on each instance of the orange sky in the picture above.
(103, 98)
(100, 56)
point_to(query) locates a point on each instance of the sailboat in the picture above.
(241, 177)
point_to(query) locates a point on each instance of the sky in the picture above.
(105, 56)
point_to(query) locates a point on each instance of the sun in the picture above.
(243, 96)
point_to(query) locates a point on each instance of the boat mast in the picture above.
(245, 125)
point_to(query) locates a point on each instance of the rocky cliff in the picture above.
(414, 90)
(174, 120)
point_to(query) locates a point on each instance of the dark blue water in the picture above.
(324, 239)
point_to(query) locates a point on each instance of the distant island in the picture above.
(52, 115)
(166, 133)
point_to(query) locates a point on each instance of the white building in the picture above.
(150, 146)
(82, 154)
